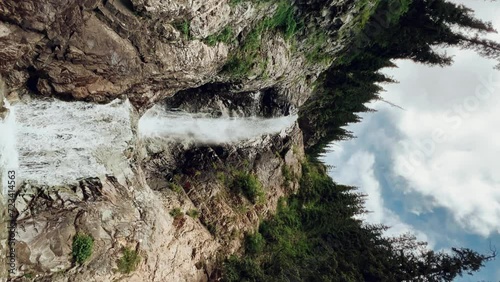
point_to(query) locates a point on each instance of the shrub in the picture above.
(284, 20)
(254, 243)
(185, 28)
(287, 174)
(234, 2)
(194, 213)
(246, 269)
(176, 213)
(175, 187)
(129, 261)
(317, 40)
(225, 36)
(249, 186)
(249, 54)
(221, 176)
(82, 247)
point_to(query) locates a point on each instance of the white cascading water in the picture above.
(60, 142)
(52, 142)
(8, 150)
(178, 126)
(255, 103)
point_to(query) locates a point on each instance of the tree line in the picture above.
(317, 234)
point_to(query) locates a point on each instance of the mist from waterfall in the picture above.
(179, 126)
(8, 151)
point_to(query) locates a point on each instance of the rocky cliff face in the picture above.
(155, 52)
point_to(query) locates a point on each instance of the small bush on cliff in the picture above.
(82, 247)
(176, 213)
(225, 36)
(249, 55)
(235, 2)
(175, 187)
(129, 261)
(194, 213)
(287, 173)
(249, 186)
(284, 20)
(245, 269)
(185, 28)
(254, 243)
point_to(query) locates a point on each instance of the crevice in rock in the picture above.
(224, 99)
(32, 81)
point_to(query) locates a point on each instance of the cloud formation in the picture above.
(358, 170)
(433, 167)
(450, 147)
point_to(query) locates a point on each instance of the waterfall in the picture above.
(255, 104)
(179, 126)
(61, 142)
(8, 150)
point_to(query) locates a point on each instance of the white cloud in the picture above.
(445, 144)
(358, 170)
(451, 147)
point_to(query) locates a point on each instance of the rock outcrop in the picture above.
(151, 52)
(136, 213)
(145, 50)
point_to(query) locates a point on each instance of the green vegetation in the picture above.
(235, 2)
(367, 10)
(389, 30)
(315, 236)
(287, 174)
(129, 261)
(194, 213)
(317, 42)
(225, 36)
(221, 176)
(185, 28)
(244, 269)
(82, 247)
(175, 187)
(176, 213)
(243, 61)
(254, 243)
(248, 185)
(283, 20)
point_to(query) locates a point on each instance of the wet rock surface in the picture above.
(223, 100)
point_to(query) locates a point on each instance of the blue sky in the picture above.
(432, 168)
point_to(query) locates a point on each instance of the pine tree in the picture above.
(436, 23)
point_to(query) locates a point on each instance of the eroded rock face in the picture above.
(152, 51)
(203, 174)
(220, 99)
(116, 217)
(146, 50)
(97, 51)
(135, 212)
